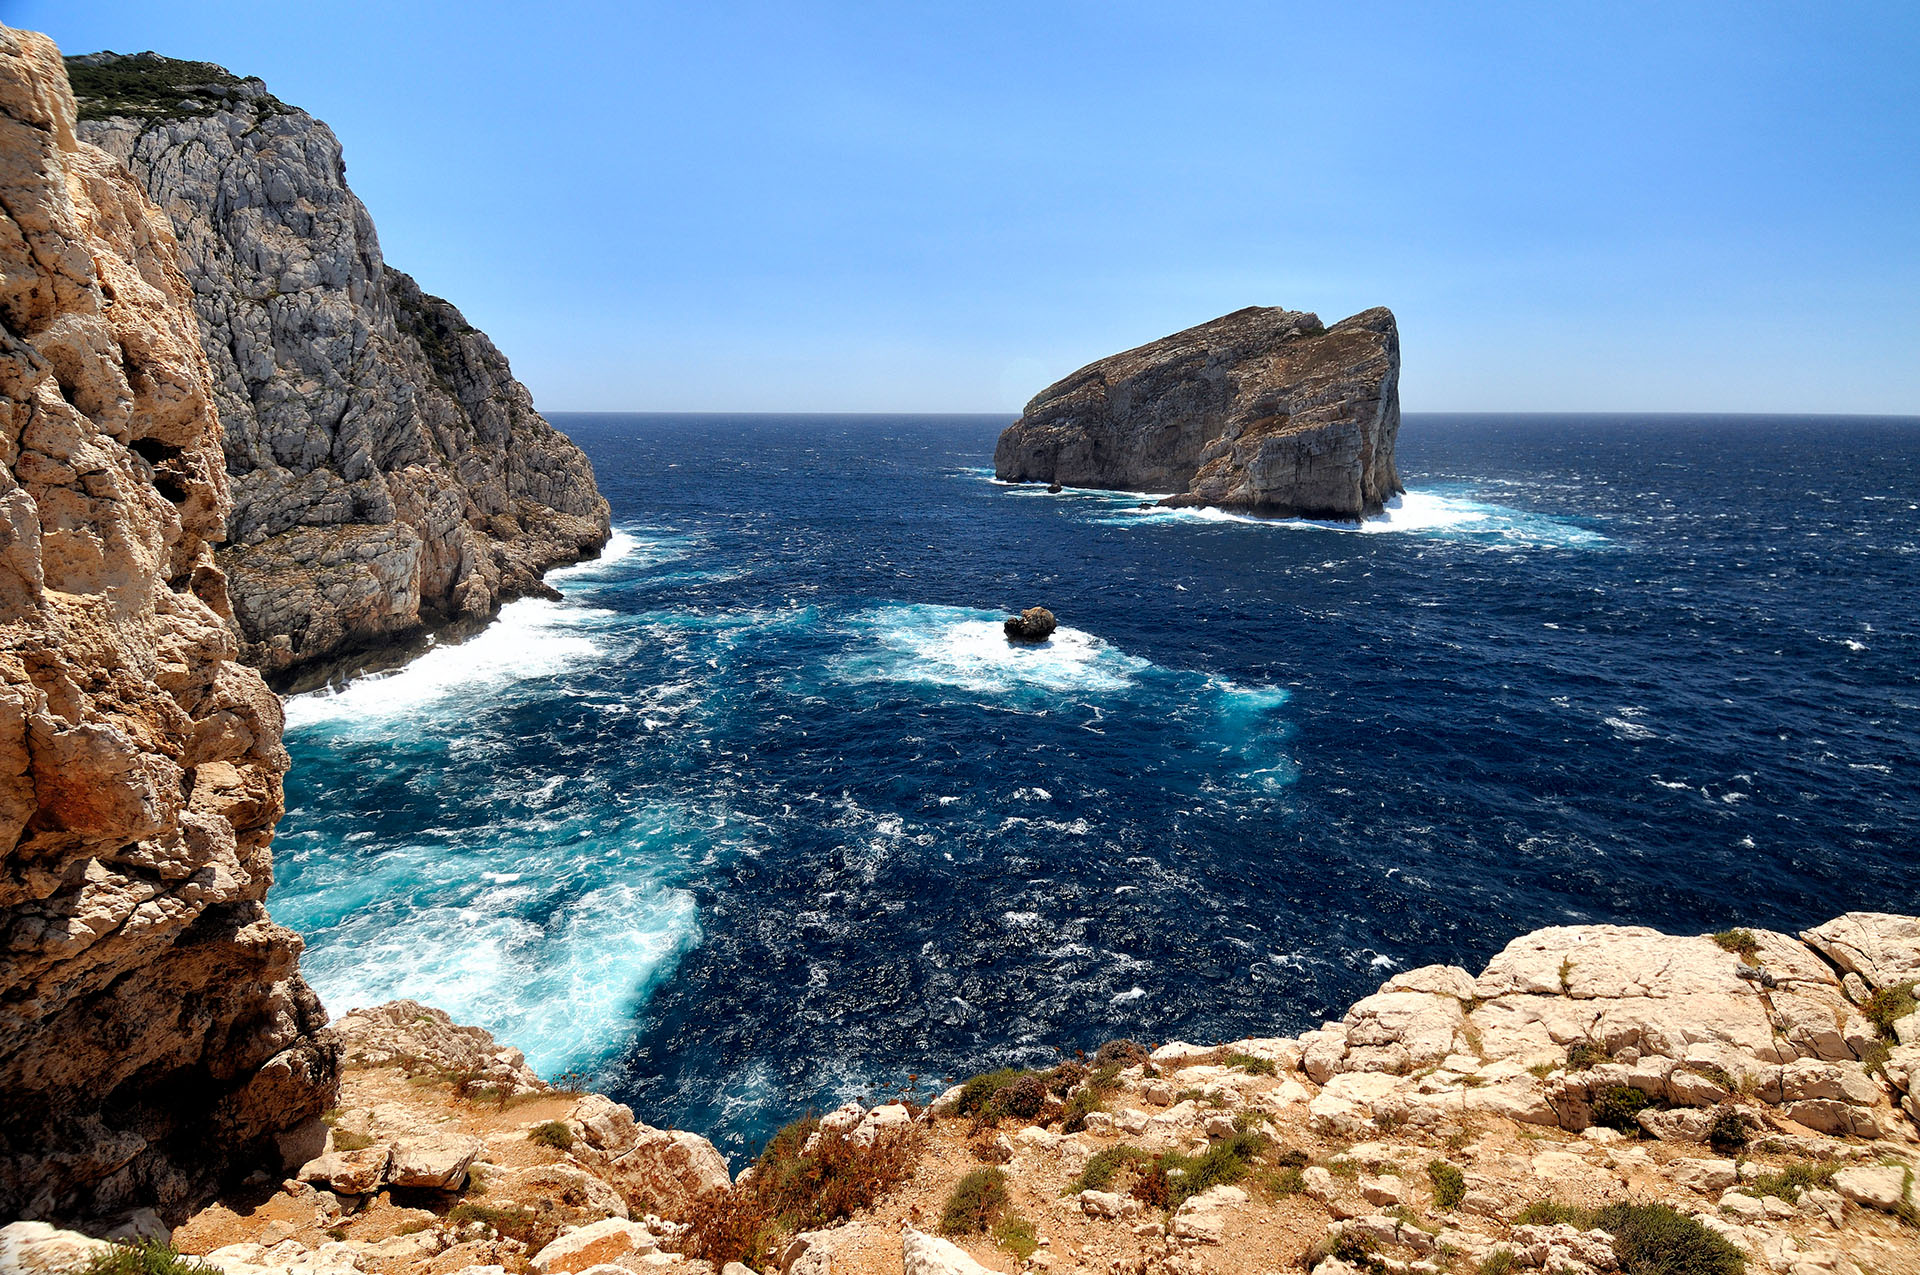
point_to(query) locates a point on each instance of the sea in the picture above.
(765, 813)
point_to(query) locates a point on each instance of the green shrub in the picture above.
(1583, 1054)
(552, 1133)
(1356, 1248)
(534, 1228)
(1888, 1006)
(1653, 1239)
(1619, 1107)
(1741, 943)
(1499, 1262)
(1171, 1179)
(1729, 1130)
(1789, 1182)
(1449, 1184)
(1554, 1213)
(977, 1093)
(350, 1140)
(1016, 1235)
(147, 1257)
(1073, 1117)
(1102, 1165)
(976, 1202)
(1284, 1181)
(1253, 1064)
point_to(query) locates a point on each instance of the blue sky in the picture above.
(943, 207)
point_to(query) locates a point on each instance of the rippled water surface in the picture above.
(766, 811)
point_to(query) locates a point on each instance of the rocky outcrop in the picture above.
(1263, 410)
(1446, 1120)
(390, 477)
(1035, 624)
(155, 1036)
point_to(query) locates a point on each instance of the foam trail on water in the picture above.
(1445, 511)
(968, 649)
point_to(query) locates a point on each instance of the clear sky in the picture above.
(913, 206)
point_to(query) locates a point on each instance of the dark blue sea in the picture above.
(766, 813)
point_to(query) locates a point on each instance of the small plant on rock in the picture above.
(1583, 1054)
(1741, 943)
(1449, 1184)
(1253, 1064)
(552, 1133)
(1016, 1235)
(977, 1201)
(1619, 1107)
(1888, 1006)
(146, 1257)
(1127, 1053)
(1499, 1262)
(1729, 1130)
(1554, 1213)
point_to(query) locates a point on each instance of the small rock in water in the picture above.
(1053, 487)
(1035, 624)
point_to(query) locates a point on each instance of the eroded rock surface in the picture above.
(155, 1035)
(389, 475)
(1262, 410)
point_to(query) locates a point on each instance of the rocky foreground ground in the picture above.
(1759, 1085)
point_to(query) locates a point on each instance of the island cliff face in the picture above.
(1263, 410)
(390, 477)
(155, 1034)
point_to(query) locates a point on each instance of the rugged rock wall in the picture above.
(390, 477)
(154, 1029)
(1262, 410)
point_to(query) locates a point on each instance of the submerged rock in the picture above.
(1035, 624)
(1263, 410)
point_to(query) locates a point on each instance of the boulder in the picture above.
(38, 1248)
(1882, 1187)
(438, 1161)
(1203, 1218)
(610, 1240)
(349, 1172)
(666, 1166)
(923, 1254)
(1035, 624)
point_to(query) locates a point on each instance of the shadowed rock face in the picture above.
(155, 1035)
(1263, 410)
(390, 477)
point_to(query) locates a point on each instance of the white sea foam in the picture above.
(968, 650)
(1450, 514)
(531, 638)
(564, 990)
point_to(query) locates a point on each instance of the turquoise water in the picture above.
(765, 811)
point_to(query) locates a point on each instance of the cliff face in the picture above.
(154, 1030)
(1263, 410)
(389, 475)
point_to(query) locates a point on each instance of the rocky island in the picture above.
(1264, 410)
(390, 478)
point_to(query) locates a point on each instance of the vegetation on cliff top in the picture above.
(148, 86)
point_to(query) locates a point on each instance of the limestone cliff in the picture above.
(390, 477)
(1262, 410)
(155, 1035)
